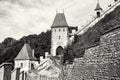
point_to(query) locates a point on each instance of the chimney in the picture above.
(41, 58)
(46, 54)
(33, 51)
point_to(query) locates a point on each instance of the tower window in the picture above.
(59, 37)
(59, 29)
(32, 66)
(21, 65)
(98, 14)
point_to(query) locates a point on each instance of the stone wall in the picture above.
(1, 72)
(15, 74)
(101, 62)
(5, 71)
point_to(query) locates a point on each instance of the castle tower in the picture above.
(25, 59)
(59, 35)
(98, 9)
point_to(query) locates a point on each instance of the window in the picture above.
(63, 29)
(21, 65)
(55, 30)
(59, 37)
(98, 14)
(59, 29)
(32, 66)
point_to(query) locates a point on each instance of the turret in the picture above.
(98, 10)
(59, 34)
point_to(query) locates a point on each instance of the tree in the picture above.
(10, 47)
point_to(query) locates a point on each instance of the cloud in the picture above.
(23, 17)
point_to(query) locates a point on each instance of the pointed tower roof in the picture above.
(26, 53)
(98, 7)
(60, 21)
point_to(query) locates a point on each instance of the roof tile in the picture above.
(25, 53)
(60, 21)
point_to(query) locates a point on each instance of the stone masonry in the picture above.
(5, 71)
(101, 62)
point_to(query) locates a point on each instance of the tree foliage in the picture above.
(10, 47)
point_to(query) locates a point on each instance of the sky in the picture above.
(20, 18)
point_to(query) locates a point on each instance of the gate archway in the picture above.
(59, 51)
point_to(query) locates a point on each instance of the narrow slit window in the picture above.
(59, 30)
(59, 37)
(32, 66)
(21, 65)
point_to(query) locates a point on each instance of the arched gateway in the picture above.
(59, 51)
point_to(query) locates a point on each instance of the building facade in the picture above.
(25, 59)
